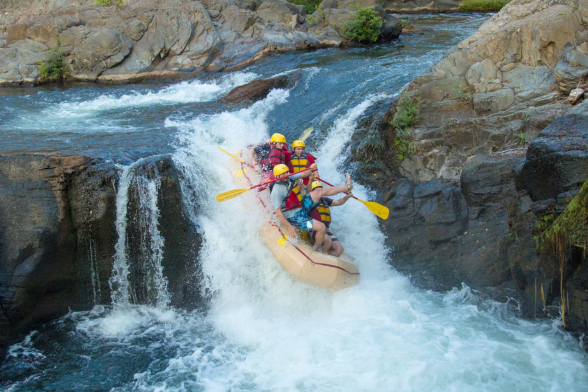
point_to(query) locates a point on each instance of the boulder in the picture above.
(283, 13)
(391, 28)
(493, 102)
(58, 236)
(259, 89)
(557, 161)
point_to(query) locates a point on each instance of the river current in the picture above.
(261, 330)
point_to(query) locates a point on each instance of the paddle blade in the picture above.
(306, 134)
(230, 194)
(378, 209)
(228, 153)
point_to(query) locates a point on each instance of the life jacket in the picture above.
(322, 212)
(299, 163)
(270, 158)
(294, 198)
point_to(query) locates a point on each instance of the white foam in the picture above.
(184, 92)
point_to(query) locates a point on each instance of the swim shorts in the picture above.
(301, 220)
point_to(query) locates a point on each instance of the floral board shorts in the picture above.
(301, 220)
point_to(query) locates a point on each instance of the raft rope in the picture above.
(287, 239)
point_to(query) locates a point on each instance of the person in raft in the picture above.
(322, 212)
(266, 156)
(293, 209)
(300, 160)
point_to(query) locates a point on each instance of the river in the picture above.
(260, 329)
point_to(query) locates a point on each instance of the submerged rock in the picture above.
(259, 89)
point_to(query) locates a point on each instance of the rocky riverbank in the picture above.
(494, 156)
(142, 39)
(58, 237)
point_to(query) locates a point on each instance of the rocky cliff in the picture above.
(58, 235)
(140, 39)
(484, 152)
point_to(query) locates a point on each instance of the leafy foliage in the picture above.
(364, 27)
(461, 92)
(54, 68)
(482, 5)
(311, 5)
(522, 138)
(408, 110)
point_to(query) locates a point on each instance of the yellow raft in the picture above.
(299, 259)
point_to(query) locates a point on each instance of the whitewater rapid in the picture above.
(261, 329)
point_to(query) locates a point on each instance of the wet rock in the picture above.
(259, 89)
(58, 235)
(557, 161)
(391, 28)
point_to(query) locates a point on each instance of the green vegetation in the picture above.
(482, 5)
(311, 5)
(406, 24)
(567, 231)
(407, 112)
(522, 138)
(54, 68)
(364, 28)
(108, 3)
(462, 92)
(312, 20)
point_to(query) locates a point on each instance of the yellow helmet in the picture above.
(278, 138)
(316, 184)
(280, 169)
(298, 143)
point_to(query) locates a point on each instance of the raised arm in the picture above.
(322, 192)
(341, 201)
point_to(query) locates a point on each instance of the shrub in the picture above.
(406, 24)
(364, 27)
(311, 5)
(482, 5)
(407, 112)
(54, 68)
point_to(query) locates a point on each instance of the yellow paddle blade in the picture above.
(283, 240)
(230, 194)
(378, 209)
(228, 153)
(240, 173)
(306, 134)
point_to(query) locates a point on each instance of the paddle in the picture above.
(306, 134)
(236, 192)
(240, 172)
(378, 209)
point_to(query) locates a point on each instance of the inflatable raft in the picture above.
(296, 257)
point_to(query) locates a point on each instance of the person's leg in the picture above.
(327, 244)
(320, 229)
(336, 247)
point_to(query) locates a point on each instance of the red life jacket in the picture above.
(294, 198)
(275, 157)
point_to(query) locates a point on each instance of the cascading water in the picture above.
(150, 249)
(262, 329)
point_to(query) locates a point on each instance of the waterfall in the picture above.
(149, 249)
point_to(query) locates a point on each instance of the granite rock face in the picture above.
(482, 229)
(147, 38)
(498, 89)
(58, 235)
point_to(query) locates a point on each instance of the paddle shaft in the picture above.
(237, 158)
(278, 179)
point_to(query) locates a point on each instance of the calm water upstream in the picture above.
(262, 330)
